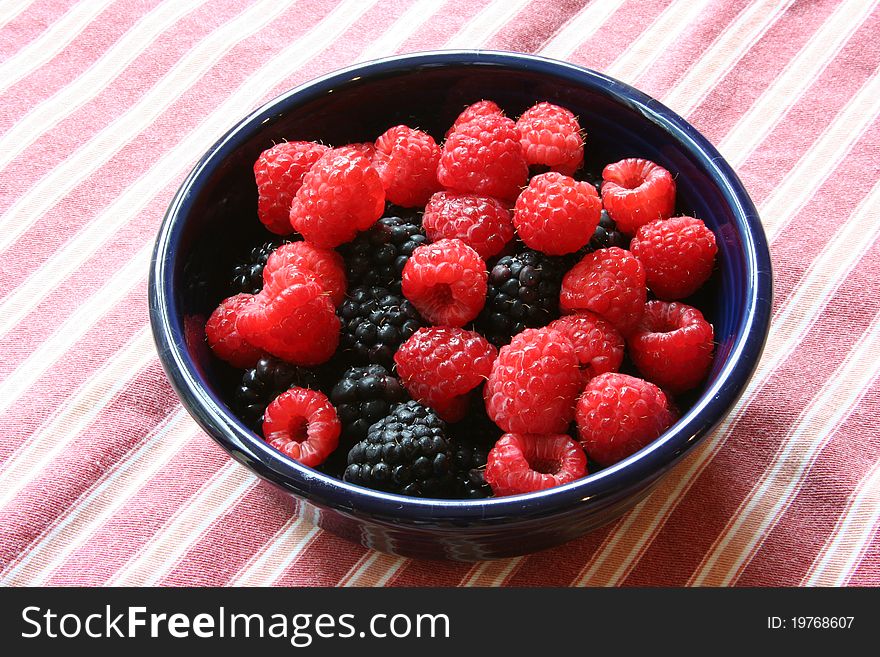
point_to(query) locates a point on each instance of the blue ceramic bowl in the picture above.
(213, 213)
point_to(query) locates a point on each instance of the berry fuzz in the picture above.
(406, 160)
(523, 463)
(552, 137)
(302, 424)
(279, 173)
(481, 222)
(636, 192)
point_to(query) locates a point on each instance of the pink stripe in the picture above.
(728, 479)
(531, 28)
(124, 424)
(72, 61)
(791, 547)
(30, 24)
(133, 526)
(233, 539)
(740, 88)
(324, 563)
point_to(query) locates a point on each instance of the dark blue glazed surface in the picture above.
(215, 206)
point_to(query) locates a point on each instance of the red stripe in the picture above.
(325, 561)
(427, 573)
(867, 573)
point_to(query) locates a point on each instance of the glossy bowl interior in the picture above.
(213, 216)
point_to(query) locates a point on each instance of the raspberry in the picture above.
(522, 292)
(377, 256)
(599, 346)
(325, 265)
(406, 160)
(479, 109)
(678, 255)
(551, 136)
(264, 382)
(672, 345)
(608, 282)
(365, 148)
(635, 192)
(483, 156)
(556, 214)
(247, 275)
(279, 174)
(375, 322)
(340, 195)
(363, 396)
(523, 463)
(224, 338)
(446, 282)
(292, 318)
(617, 415)
(406, 452)
(439, 364)
(533, 383)
(481, 222)
(302, 424)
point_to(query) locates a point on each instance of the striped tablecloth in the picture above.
(107, 104)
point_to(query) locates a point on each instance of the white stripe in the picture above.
(64, 426)
(817, 287)
(359, 575)
(799, 75)
(51, 42)
(280, 552)
(134, 199)
(101, 502)
(484, 25)
(580, 28)
(496, 572)
(51, 111)
(653, 42)
(784, 477)
(853, 533)
(10, 10)
(408, 22)
(724, 53)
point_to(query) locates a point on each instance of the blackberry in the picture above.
(375, 322)
(472, 438)
(523, 292)
(263, 383)
(363, 396)
(607, 235)
(406, 452)
(377, 256)
(247, 275)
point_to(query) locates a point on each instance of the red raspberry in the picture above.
(340, 195)
(678, 255)
(556, 214)
(440, 364)
(617, 415)
(481, 222)
(279, 174)
(406, 160)
(551, 136)
(302, 423)
(522, 463)
(635, 192)
(326, 265)
(609, 282)
(292, 318)
(484, 156)
(225, 340)
(365, 148)
(534, 383)
(446, 282)
(599, 346)
(672, 345)
(471, 112)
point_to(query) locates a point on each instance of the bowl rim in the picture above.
(321, 489)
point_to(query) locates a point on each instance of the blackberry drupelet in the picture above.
(377, 256)
(263, 383)
(247, 275)
(472, 438)
(523, 292)
(375, 322)
(406, 452)
(607, 235)
(363, 396)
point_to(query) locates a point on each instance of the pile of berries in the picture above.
(465, 318)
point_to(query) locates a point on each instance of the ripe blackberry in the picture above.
(406, 452)
(523, 292)
(363, 396)
(247, 275)
(375, 322)
(263, 383)
(606, 235)
(377, 256)
(472, 438)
